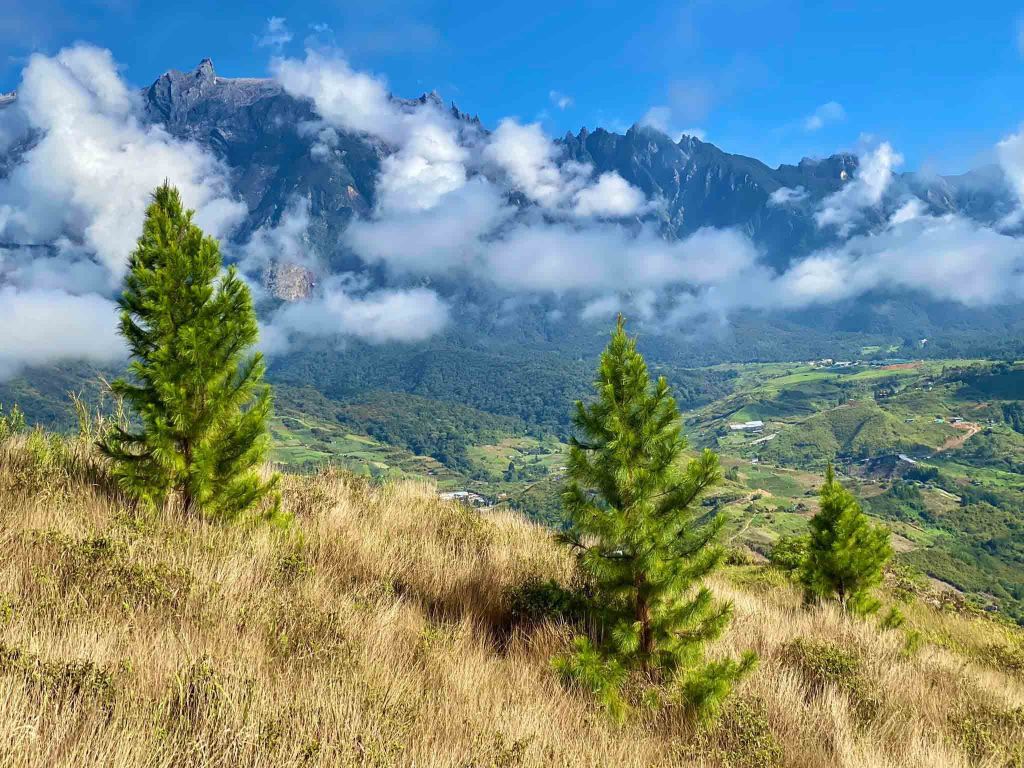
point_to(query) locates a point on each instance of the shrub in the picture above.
(64, 681)
(789, 553)
(826, 663)
(537, 600)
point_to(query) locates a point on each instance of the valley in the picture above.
(929, 446)
(933, 447)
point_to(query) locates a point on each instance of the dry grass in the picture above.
(377, 630)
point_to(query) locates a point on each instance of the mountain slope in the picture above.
(388, 627)
(268, 136)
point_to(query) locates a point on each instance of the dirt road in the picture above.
(969, 429)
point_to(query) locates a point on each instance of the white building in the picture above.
(748, 426)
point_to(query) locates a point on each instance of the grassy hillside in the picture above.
(386, 627)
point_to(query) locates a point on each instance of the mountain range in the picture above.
(268, 140)
(257, 128)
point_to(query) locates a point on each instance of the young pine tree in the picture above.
(636, 529)
(195, 388)
(846, 553)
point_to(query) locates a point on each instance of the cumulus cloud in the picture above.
(530, 160)
(450, 235)
(342, 305)
(946, 257)
(598, 258)
(430, 159)
(507, 209)
(660, 119)
(830, 112)
(611, 196)
(341, 309)
(286, 242)
(560, 100)
(787, 196)
(44, 326)
(275, 34)
(82, 188)
(845, 208)
(89, 177)
(430, 164)
(353, 101)
(447, 208)
(1010, 154)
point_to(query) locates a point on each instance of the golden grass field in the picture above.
(377, 630)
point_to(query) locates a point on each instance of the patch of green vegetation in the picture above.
(860, 429)
(61, 681)
(824, 664)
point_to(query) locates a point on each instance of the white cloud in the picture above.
(530, 160)
(275, 34)
(946, 257)
(448, 236)
(787, 196)
(845, 207)
(449, 204)
(89, 178)
(287, 242)
(1010, 153)
(657, 117)
(43, 326)
(660, 119)
(353, 101)
(612, 196)
(597, 258)
(342, 305)
(909, 211)
(830, 112)
(430, 164)
(341, 309)
(83, 187)
(438, 215)
(560, 100)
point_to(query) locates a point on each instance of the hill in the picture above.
(952, 429)
(386, 626)
(931, 447)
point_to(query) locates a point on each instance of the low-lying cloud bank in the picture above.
(499, 208)
(445, 205)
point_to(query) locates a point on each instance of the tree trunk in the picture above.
(643, 617)
(187, 501)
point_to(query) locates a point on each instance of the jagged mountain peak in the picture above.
(257, 127)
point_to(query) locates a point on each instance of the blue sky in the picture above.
(776, 80)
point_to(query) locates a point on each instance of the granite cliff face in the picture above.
(269, 140)
(266, 137)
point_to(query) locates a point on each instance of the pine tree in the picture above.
(639, 538)
(846, 553)
(195, 389)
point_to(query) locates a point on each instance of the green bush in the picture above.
(789, 553)
(536, 600)
(825, 663)
(65, 681)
